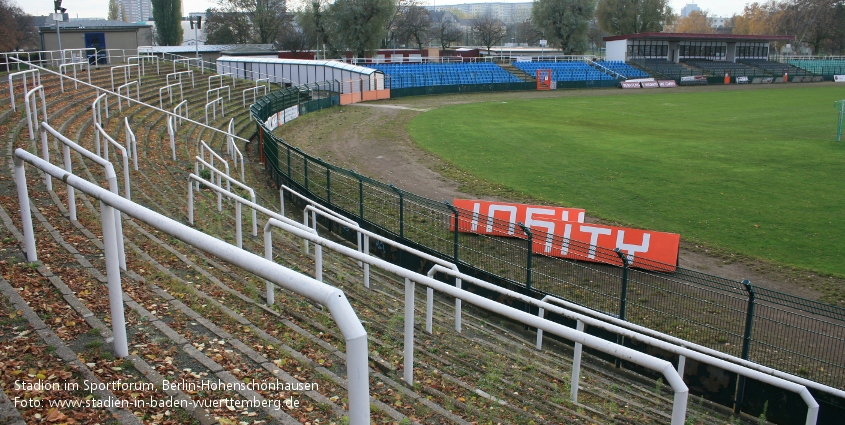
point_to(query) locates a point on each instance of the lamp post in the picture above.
(58, 17)
(196, 34)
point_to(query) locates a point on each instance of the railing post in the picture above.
(328, 185)
(455, 242)
(746, 341)
(305, 170)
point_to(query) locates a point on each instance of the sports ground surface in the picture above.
(749, 176)
(754, 172)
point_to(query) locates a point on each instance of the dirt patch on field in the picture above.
(372, 140)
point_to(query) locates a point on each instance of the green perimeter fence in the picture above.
(785, 332)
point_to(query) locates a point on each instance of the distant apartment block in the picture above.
(508, 13)
(136, 10)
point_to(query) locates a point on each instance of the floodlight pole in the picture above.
(59, 38)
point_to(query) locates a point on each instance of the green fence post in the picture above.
(530, 260)
(305, 170)
(360, 195)
(454, 211)
(289, 178)
(746, 342)
(401, 211)
(328, 186)
(623, 297)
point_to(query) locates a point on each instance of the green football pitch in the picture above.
(753, 172)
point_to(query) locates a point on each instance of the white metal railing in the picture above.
(217, 91)
(108, 170)
(36, 75)
(254, 91)
(232, 148)
(182, 106)
(169, 113)
(73, 65)
(332, 298)
(599, 319)
(32, 109)
(97, 107)
(123, 153)
(591, 62)
(411, 278)
(142, 61)
(179, 75)
(77, 55)
(172, 134)
(131, 142)
(622, 328)
(220, 76)
(127, 73)
(169, 89)
(187, 62)
(213, 105)
(229, 181)
(212, 155)
(128, 87)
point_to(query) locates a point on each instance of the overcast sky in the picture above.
(99, 8)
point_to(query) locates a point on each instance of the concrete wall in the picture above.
(74, 38)
(617, 50)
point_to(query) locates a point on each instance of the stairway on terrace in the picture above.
(191, 317)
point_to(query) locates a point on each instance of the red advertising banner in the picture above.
(650, 84)
(644, 249)
(500, 218)
(561, 232)
(667, 83)
(631, 85)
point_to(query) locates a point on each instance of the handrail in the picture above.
(36, 74)
(213, 104)
(661, 366)
(129, 93)
(669, 339)
(180, 74)
(221, 175)
(220, 76)
(172, 134)
(212, 155)
(681, 350)
(73, 65)
(179, 108)
(234, 152)
(32, 109)
(142, 59)
(254, 91)
(131, 142)
(187, 62)
(218, 90)
(332, 298)
(169, 89)
(108, 170)
(127, 73)
(123, 153)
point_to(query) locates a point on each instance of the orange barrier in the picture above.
(500, 218)
(564, 234)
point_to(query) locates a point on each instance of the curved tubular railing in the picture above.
(36, 75)
(124, 153)
(108, 170)
(661, 366)
(229, 181)
(131, 143)
(73, 65)
(32, 109)
(142, 60)
(127, 73)
(638, 333)
(169, 89)
(128, 87)
(332, 298)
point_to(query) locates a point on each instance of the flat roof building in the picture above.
(674, 47)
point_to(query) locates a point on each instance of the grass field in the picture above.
(754, 172)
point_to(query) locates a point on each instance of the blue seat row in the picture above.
(420, 75)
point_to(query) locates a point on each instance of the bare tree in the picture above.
(444, 29)
(812, 21)
(565, 23)
(413, 25)
(527, 33)
(489, 30)
(16, 29)
(246, 21)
